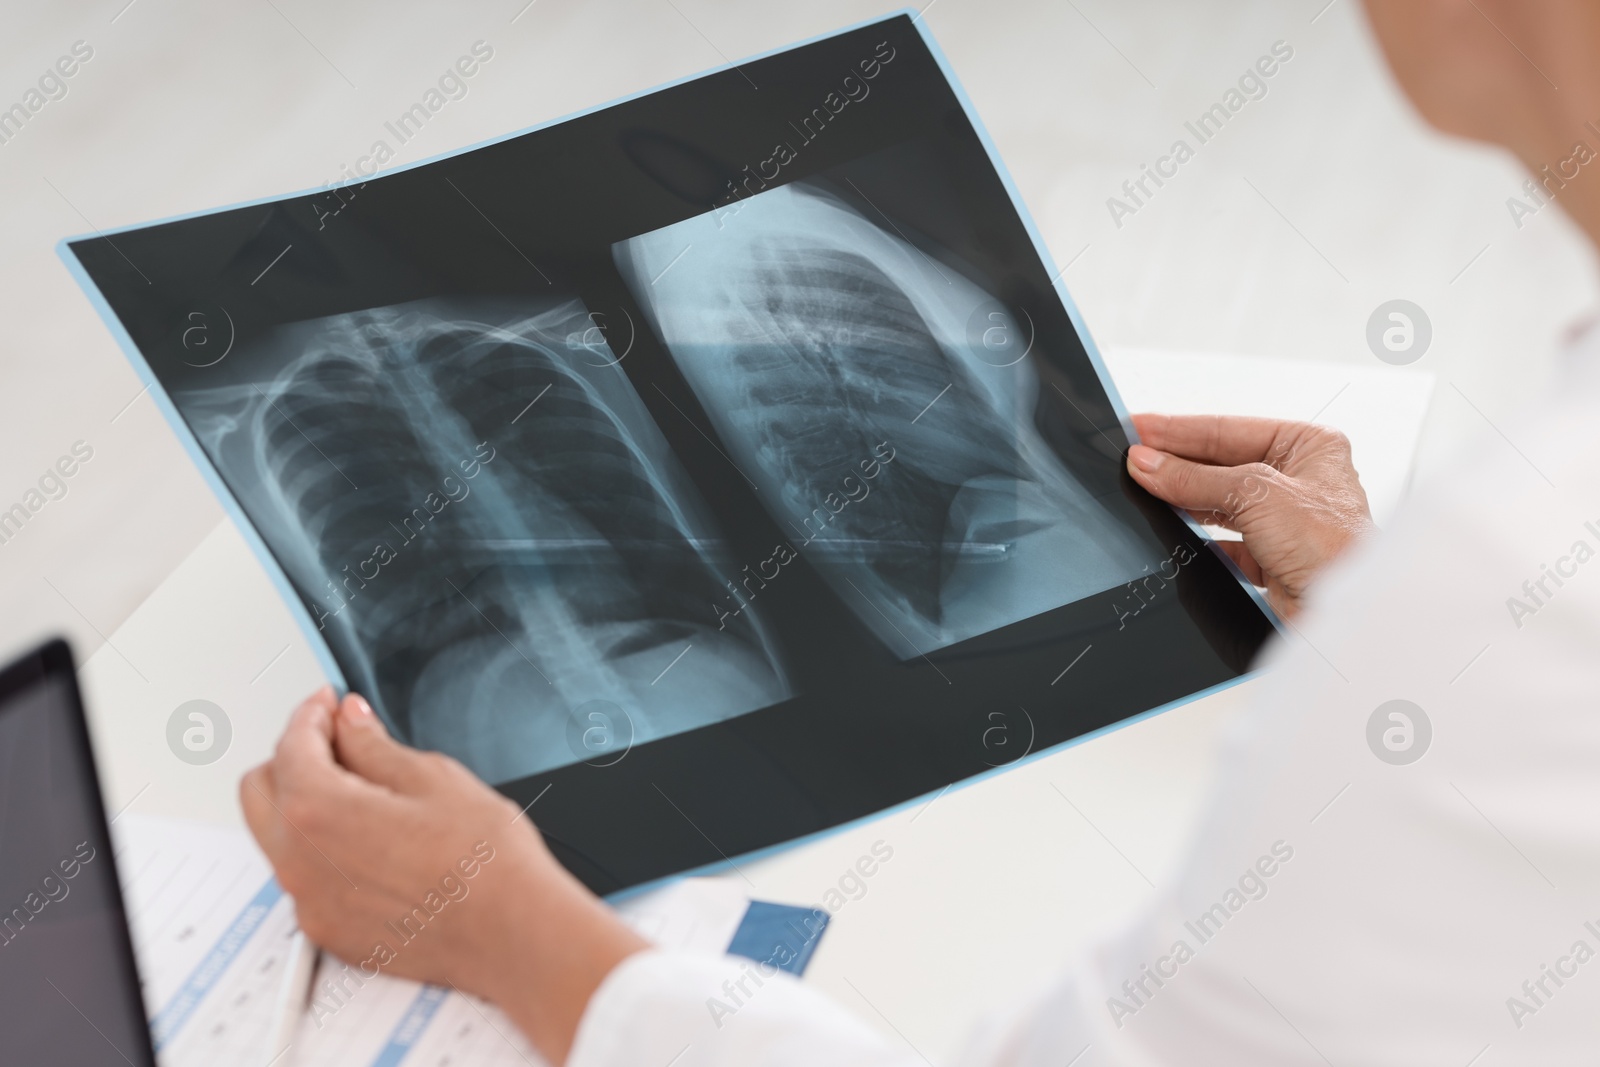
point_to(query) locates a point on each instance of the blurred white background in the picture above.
(1313, 206)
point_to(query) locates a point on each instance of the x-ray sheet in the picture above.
(708, 470)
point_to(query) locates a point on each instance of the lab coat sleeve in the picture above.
(688, 1011)
(660, 1008)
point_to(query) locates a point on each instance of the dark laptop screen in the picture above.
(69, 993)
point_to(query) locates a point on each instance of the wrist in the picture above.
(552, 943)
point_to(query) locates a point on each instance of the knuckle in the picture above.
(1259, 474)
(1182, 480)
(1253, 483)
(439, 765)
(1330, 439)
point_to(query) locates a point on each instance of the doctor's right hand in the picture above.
(1288, 487)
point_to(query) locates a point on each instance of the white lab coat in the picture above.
(1446, 911)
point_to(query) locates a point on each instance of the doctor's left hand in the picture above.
(402, 862)
(1289, 488)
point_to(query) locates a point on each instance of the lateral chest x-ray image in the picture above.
(837, 361)
(489, 528)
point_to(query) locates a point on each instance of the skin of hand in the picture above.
(1288, 487)
(365, 833)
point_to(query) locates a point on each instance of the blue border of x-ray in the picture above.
(320, 647)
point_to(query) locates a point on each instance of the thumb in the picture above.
(365, 747)
(1200, 487)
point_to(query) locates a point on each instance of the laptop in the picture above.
(69, 987)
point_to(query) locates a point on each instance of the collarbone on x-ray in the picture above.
(815, 338)
(489, 530)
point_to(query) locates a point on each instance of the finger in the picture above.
(260, 811)
(305, 751)
(1200, 486)
(1240, 554)
(366, 748)
(1227, 440)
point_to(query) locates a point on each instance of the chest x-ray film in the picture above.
(716, 467)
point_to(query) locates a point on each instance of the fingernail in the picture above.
(359, 704)
(1146, 458)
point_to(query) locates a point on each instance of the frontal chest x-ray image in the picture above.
(836, 359)
(487, 528)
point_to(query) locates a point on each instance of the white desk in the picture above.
(990, 885)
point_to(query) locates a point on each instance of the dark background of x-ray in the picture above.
(867, 731)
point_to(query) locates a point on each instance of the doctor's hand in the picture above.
(1288, 487)
(401, 862)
